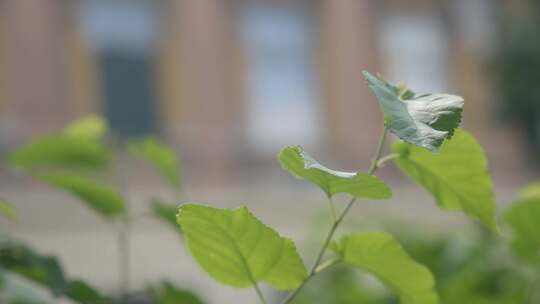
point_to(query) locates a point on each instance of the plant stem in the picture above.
(259, 293)
(317, 266)
(386, 158)
(123, 231)
(378, 152)
(332, 209)
(327, 264)
(123, 256)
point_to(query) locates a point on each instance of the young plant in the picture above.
(77, 160)
(237, 249)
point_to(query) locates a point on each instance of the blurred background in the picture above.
(228, 83)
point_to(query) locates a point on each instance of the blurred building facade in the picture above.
(230, 82)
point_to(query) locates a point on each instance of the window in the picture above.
(415, 47)
(282, 103)
(122, 33)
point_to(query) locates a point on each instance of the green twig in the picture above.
(386, 158)
(332, 209)
(259, 293)
(316, 268)
(124, 256)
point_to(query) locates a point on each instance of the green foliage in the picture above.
(83, 293)
(166, 212)
(89, 127)
(60, 151)
(425, 121)
(235, 248)
(530, 191)
(523, 219)
(44, 270)
(100, 197)
(380, 254)
(163, 158)
(7, 210)
(78, 146)
(16, 258)
(68, 160)
(469, 266)
(16, 289)
(167, 293)
(301, 165)
(342, 285)
(457, 176)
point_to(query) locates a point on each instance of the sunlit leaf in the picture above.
(101, 197)
(90, 127)
(166, 293)
(166, 212)
(62, 151)
(7, 210)
(236, 249)
(523, 218)
(457, 176)
(381, 255)
(301, 165)
(162, 157)
(425, 120)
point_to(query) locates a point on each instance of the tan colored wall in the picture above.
(212, 116)
(348, 47)
(35, 69)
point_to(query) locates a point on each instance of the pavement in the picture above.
(55, 223)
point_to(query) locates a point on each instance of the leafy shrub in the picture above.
(235, 248)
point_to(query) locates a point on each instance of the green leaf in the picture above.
(162, 157)
(7, 210)
(166, 293)
(90, 127)
(457, 176)
(523, 218)
(165, 211)
(303, 166)
(531, 190)
(17, 289)
(45, 270)
(425, 121)
(102, 198)
(60, 150)
(236, 249)
(82, 293)
(381, 255)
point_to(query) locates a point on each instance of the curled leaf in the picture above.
(301, 165)
(425, 120)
